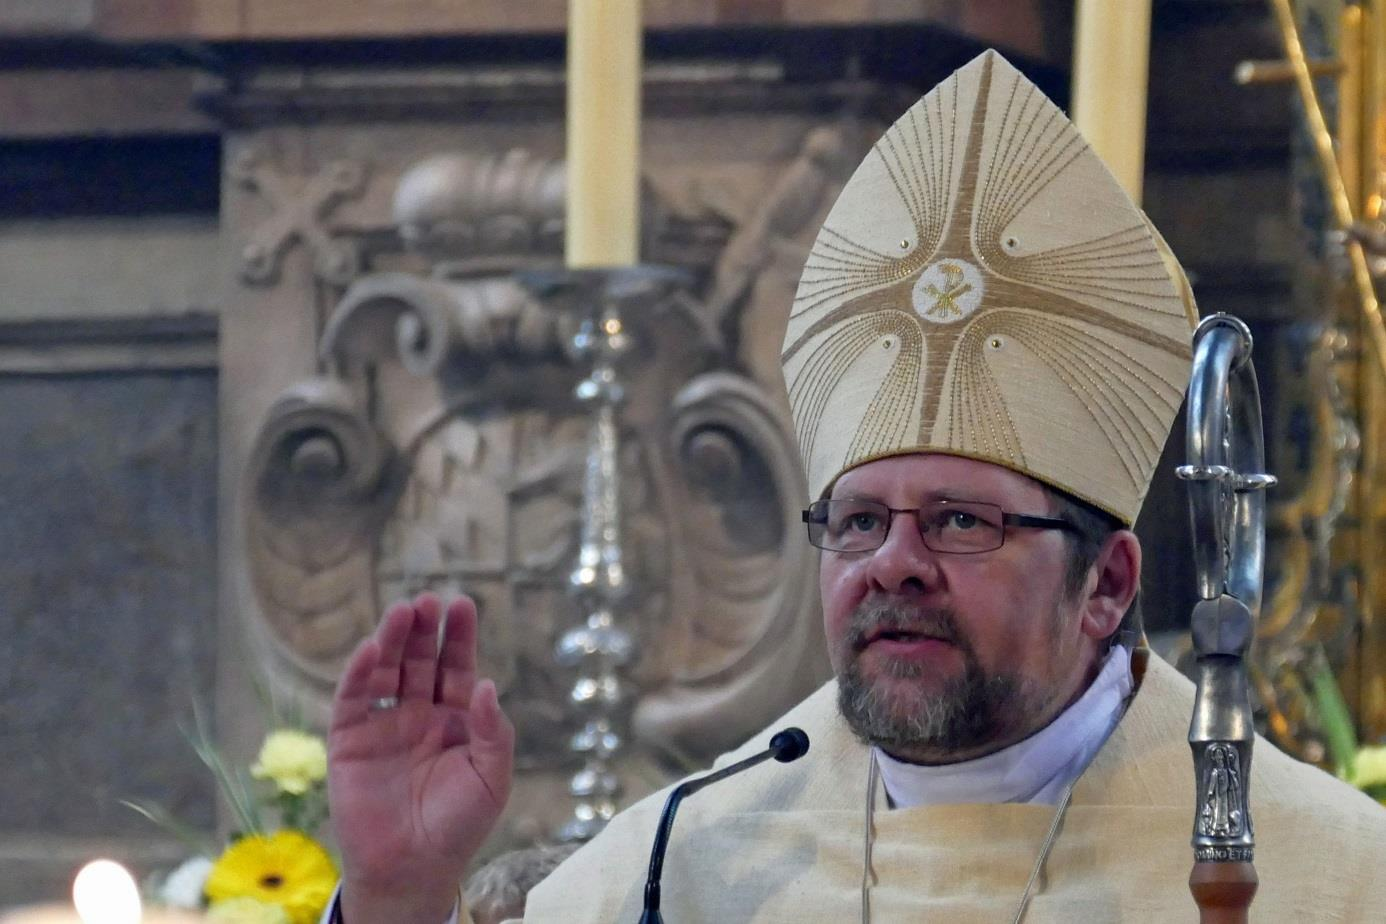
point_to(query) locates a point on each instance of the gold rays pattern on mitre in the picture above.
(984, 287)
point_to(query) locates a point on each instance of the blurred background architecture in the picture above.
(275, 348)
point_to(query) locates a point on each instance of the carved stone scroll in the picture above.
(321, 477)
(425, 323)
(749, 637)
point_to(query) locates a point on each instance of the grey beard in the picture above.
(969, 712)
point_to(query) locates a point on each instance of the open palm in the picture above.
(415, 787)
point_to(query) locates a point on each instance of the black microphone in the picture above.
(786, 745)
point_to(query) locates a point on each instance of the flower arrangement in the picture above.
(266, 874)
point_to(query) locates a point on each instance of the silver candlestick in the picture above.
(602, 645)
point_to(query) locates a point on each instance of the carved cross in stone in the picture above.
(299, 213)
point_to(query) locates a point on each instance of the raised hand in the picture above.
(419, 764)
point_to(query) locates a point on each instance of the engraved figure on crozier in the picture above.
(1221, 793)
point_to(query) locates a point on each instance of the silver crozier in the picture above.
(1226, 479)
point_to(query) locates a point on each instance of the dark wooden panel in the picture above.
(107, 607)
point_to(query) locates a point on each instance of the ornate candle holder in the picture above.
(602, 645)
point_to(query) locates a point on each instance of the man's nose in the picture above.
(903, 563)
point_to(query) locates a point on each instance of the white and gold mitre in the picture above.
(983, 287)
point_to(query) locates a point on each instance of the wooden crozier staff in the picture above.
(1226, 481)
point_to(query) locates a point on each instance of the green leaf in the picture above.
(233, 787)
(1334, 716)
(199, 842)
(265, 697)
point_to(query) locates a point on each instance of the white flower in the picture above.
(183, 887)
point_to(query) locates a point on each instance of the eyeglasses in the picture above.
(955, 527)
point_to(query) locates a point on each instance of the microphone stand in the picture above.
(787, 745)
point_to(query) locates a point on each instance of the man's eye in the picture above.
(862, 522)
(960, 519)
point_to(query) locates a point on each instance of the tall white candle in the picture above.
(1111, 62)
(604, 65)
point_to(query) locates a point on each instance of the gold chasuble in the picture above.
(784, 843)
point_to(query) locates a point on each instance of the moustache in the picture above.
(875, 618)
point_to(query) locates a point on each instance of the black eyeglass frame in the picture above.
(1026, 520)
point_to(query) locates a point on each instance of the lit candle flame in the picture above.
(105, 893)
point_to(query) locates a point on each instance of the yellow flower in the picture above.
(295, 760)
(287, 868)
(246, 911)
(1370, 767)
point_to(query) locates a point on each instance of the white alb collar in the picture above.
(1037, 769)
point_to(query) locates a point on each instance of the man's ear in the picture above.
(1117, 569)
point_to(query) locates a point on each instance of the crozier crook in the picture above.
(1226, 481)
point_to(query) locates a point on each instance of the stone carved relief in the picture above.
(749, 579)
(457, 328)
(457, 389)
(471, 210)
(322, 478)
(489, 509)
(757, 273)
(300, 211)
